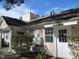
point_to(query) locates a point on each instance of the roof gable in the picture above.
(13, 21)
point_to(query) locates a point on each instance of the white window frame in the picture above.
(49, 33)
(63, 35)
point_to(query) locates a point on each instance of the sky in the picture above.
(40, 7)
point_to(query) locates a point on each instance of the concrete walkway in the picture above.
(4, 54)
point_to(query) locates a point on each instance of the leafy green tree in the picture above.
(8, 4)
(22, 43)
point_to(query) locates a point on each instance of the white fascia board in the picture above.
(70, 23)
(48, 25)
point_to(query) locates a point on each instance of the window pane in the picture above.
(49, 34)
(65, 39)
(64, 30)
(48, 38)
(63, 35)
(48, 30)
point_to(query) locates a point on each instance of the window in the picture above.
(63, 35)
(48, 34)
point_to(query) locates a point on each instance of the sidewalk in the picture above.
(4, 54)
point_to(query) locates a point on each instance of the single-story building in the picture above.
(54, 29)
(10, 27)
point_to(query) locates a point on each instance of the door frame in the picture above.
(57, 28)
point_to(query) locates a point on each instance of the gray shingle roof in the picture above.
(54, 18)
(65, 15)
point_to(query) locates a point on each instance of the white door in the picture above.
(63, 50)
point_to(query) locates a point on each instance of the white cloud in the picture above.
(17, 11)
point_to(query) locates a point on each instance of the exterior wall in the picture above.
(3, 34)
(48, 46)
(6, 36)
(61, 49)
(56, 48)
(10, 38)
(3, 24)
(75, 30)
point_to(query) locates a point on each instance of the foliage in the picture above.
(74, 46)
(40, 56)
(21, 43)
(42, 52)
(73, 38)
(8, 4)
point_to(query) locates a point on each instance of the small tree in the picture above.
(22, 43)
